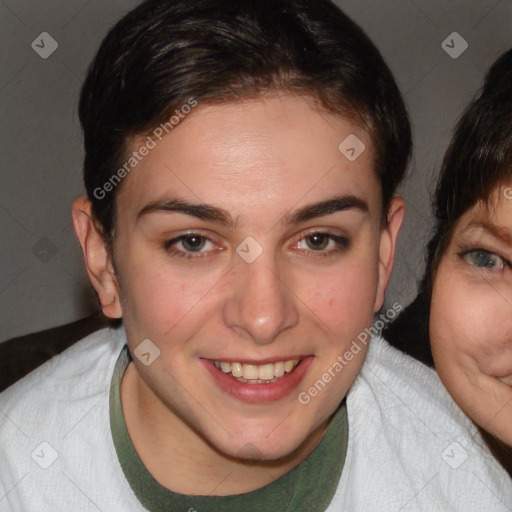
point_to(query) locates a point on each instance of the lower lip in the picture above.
(257, 393)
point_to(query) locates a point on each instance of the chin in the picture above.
(260, 448)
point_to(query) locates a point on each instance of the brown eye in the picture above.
(317, 241)
(190, 245)
(323, 243)
(193, 243)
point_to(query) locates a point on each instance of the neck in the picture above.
(181, 460)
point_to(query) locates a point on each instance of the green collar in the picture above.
(309, 487)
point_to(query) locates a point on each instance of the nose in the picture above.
(262, 305)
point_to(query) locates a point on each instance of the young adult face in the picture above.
(471, 315)
(274, 181)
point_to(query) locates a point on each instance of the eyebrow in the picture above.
(215, 214)
(497, 231)
(328, 207)
(201, 211)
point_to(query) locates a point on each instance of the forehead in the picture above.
(267, 153)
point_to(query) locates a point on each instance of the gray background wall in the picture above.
(42, 281)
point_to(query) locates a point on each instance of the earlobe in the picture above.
(387, 249)
(98, 260)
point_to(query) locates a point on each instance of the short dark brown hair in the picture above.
(165, 52)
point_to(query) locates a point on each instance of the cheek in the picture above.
(158, 297)
(452, 321)
(470, 324)
(492, 345)
(342, 299)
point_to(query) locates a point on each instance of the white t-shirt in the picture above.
(409, 449)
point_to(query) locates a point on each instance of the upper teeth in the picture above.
(257, 372)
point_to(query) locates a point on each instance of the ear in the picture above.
(98, 260)
(388, 240)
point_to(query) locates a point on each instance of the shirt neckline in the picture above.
(309, 487)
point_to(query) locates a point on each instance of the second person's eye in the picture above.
(484, 259)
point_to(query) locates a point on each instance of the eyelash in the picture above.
(169, 245)
(466, 251)
(342, 243)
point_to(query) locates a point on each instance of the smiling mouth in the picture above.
(257, 374)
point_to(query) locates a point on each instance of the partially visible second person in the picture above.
(465, 301)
